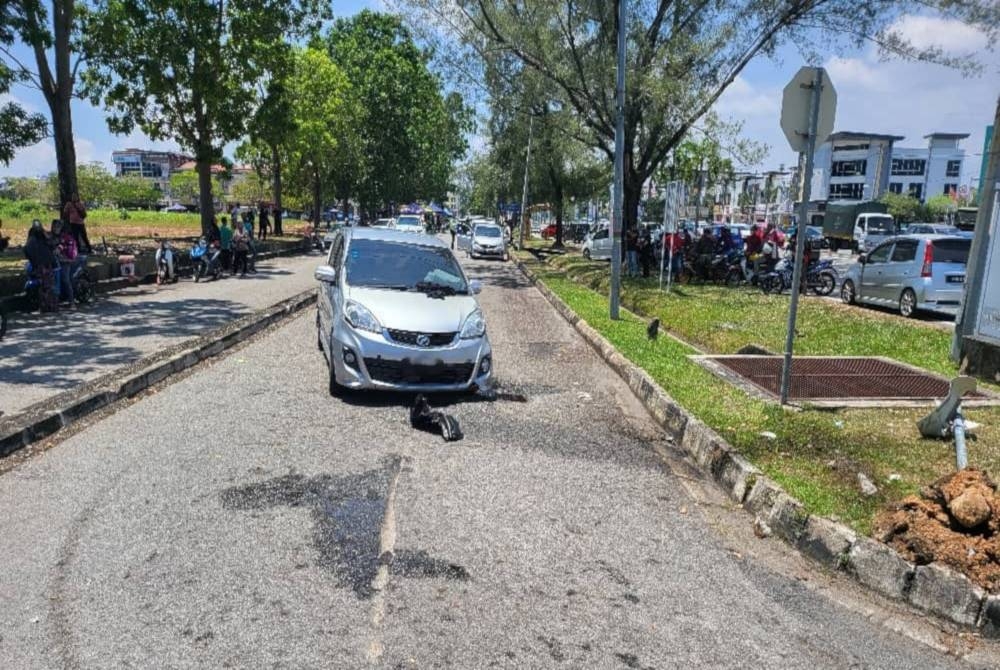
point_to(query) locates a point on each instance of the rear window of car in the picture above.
(951, 251)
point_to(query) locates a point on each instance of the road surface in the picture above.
(240, 517)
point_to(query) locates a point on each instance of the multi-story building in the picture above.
(864, 166)
(156, 166)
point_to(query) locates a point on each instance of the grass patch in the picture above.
(817, 452)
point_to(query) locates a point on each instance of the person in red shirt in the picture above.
(74, 213)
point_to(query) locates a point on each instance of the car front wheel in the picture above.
(586, 254)
(908, 303)
(847, 292)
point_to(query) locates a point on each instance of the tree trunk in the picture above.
(58, 90)
(206, 205)
(559, 216)
(317, 198)
(276, 167)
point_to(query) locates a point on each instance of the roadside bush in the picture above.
(22, 209)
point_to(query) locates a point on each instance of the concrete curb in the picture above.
(35, 424)
(933, 588)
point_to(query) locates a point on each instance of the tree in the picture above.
(18, 127)
(271, 125)
(324, 113)
(411, 134)
(96, 184)
(903, 208)
(251, 188)
(29, 19)
(681, 54)
(937, 208)
(184, 187)
(190, 68)
(133, 191)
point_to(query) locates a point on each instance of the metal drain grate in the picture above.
(821, 378)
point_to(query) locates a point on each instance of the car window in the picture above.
(385, 264)
(881, 225)
(408, 221)
(601, 234)
(905, 251)
(487, 231)
(880, 254)
(951, 251)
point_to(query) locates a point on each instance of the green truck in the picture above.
(859, 226)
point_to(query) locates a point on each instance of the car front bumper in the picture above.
(495, 252)
(381, 364)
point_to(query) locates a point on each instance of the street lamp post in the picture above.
(617, 220)
(525, 217)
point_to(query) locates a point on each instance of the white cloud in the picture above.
(742, 100)
(930, 31)
(893, 97)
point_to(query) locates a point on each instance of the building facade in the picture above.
(157, 166)
(865, 166)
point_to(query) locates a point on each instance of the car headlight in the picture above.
(358, 316)
(474, 326)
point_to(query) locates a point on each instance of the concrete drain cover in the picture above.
(827, 380)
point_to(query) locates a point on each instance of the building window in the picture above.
(954, 169)
(916, 191)
(852, 191)
(848, 168)
(908, 167)
(948, 188)
(896, 187)
(851, 147)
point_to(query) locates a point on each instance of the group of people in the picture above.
(236, 242)
(55, 255)
(762, 242)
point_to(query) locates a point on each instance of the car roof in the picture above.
(384, 235)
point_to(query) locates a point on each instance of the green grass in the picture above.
(817, 453)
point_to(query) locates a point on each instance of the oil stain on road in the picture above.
(347, 512)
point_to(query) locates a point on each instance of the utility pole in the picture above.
(617, 220)
(525, 217)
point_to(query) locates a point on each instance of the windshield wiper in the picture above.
(388, 287)
(434, 288)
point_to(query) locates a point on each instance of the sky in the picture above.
(893, 97)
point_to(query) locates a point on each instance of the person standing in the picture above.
(645, 245)
(226, 244)
(263, 224)
(451, 229)
(66, 259)
(241, 247)
(74, 213)
(632, 251)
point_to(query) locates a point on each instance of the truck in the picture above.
(859, 226)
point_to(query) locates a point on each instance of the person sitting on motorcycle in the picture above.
(754, 245)
(726, 243)
(43, 264)
(704, 249)
(166, 253)
(777, 238)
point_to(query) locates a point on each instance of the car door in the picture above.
(873, 274)
(331, 295)
(901, 268)
(464, 237)
(601, 247)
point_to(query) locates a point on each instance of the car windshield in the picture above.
(951, 251)
(884, 225)
(487, 231)
(402, 266)
(408, 221)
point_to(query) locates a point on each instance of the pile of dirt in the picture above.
(955, 521)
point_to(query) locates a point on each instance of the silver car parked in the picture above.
(485, 240)
(910, 273)
(396, 312)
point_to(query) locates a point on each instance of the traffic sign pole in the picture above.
(800, 229)
(618, 205)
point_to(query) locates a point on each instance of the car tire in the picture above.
(319, 334)
(908, 303)
(847, 293)
(334, 387)
(586, 254)
(734, 278)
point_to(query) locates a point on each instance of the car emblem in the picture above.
(423, 340)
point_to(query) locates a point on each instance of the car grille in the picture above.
(405, 372)
(410, 337)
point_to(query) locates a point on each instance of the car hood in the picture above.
(416, 312)
(487, 241)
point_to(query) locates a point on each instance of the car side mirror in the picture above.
(862, 259)
(326, 274)
(475, 287)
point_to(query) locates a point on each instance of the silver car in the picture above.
(486, 240)
(396, 312)
(910, 273)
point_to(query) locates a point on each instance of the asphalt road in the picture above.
(236, 518)
(44, 354)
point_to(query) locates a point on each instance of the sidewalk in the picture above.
(43, 355)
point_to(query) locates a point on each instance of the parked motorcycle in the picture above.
(165, 271)
(820, 277)
(83, 288)
(206, 260)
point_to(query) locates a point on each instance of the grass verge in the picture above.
(817, 453)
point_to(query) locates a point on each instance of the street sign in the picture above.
(795, 109)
